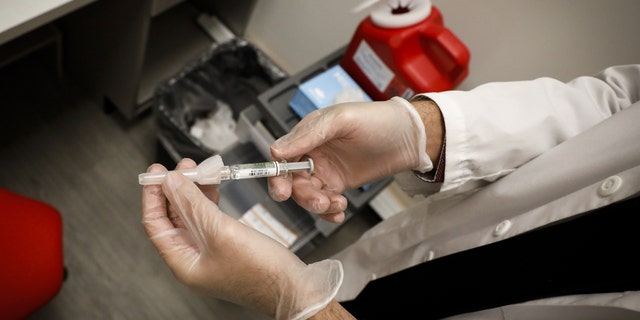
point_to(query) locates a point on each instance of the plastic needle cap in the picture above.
(207, 172)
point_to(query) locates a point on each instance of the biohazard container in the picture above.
(401, 50)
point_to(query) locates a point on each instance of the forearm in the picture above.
(434, 126)
(332, 311)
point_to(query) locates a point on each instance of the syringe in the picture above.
(212, 171)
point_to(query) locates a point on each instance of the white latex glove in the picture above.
(215, 254)
(351, 144)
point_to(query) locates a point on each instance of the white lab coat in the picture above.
(519, 156)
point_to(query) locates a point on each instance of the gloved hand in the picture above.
(216, 254)
(351, 144)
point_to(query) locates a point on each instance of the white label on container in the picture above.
(253, 170)
(372, 66)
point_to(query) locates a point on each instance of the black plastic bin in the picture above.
(233, 73)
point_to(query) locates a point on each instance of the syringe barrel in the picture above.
(268, 169)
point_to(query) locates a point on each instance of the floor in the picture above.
(60, 146)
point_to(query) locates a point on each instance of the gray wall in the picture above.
(508, 39)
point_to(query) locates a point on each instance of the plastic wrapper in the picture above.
(227, 78)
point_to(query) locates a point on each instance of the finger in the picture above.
(337, 206)
(279, 187)
(333, 217)
(189, 203)
(154, 207)
(335, 213)
(338, 203)
(210, 190)
(308, 193)
(183, 164)
(311, 132)
(186, 163)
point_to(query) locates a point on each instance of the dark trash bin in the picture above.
(228, 77)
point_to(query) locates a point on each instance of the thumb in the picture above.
(191, 205)
(311, 132)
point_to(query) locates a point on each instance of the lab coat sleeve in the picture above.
(497, 127)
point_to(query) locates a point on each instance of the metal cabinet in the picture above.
(121, 50)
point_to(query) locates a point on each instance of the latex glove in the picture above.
(351, 144)
(215, 254)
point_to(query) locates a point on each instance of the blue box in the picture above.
(330, 87)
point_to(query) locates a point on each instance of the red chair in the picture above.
(31, 260)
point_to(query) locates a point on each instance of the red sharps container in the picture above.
(403, 48)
